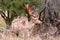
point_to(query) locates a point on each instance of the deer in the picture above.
(22, 24)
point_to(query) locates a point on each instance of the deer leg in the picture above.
(25, 35)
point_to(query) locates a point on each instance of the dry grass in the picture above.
(8, 35)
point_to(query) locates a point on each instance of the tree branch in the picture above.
(2, 13)
(8, 13)
(3, 17)
(41, 12)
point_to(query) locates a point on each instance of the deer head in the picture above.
(33, 14)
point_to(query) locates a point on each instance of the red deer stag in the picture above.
(22, 24)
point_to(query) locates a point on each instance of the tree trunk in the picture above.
(8, 24)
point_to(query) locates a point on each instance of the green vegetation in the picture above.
(14, 8)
